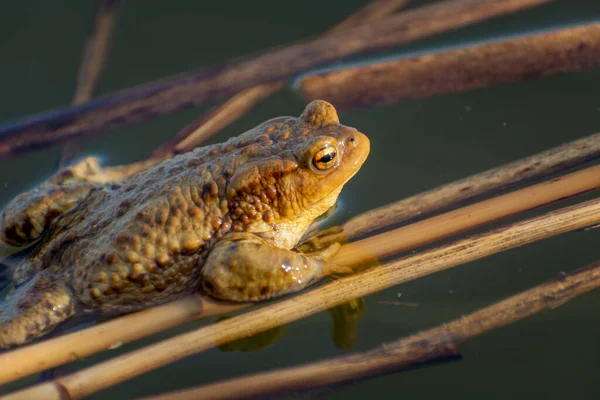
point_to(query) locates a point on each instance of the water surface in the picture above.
(416, 146)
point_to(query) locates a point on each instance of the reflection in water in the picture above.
(345, 319)
(345, 323)
(256, 342)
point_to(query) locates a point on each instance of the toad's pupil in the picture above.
(327, 157)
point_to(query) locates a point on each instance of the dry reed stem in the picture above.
(432, 344)
(73, 346)
(127, 366)
(455, 193)
(235, 107)
(68, 347)
(467, 218)
(163, 97)
(94, 58)
(529, 57)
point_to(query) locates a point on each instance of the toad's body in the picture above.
(221, 217)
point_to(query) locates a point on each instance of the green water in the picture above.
(416, 146)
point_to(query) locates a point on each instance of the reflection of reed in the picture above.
(442, 341)
(172, 94)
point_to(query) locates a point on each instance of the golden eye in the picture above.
(325, 158)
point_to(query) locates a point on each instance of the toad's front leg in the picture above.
(245, 267)
(29, 215)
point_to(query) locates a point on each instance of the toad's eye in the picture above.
(325, 158)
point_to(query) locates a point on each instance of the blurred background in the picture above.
(415, 146)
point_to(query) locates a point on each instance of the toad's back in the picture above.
(143, 240)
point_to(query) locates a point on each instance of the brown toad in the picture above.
(222, 218)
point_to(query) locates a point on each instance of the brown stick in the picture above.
(233, 108)
(216, 119)
(453, 194)
(186, 90)
(47, 354)
(92, 64)
(467, 218)
(70, 347)
(96, 50)
(119, 369)
(432, 344)
(530, 57)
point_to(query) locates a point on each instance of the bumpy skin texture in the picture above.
(221, 217)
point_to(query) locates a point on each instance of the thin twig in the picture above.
(467, 218)
(47, 354)
(187, 90)
(432, 344)
(399, 303)
(455, 193)
(119, 369)
(96, 50)
(233, 108)
(372, 11)
(529, 57)
(216, 119)
(93, 61)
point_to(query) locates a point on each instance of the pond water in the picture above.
(415, 146)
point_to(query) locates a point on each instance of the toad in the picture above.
(222, 219)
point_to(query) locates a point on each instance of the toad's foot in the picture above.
(244, 267)
(33, 310)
